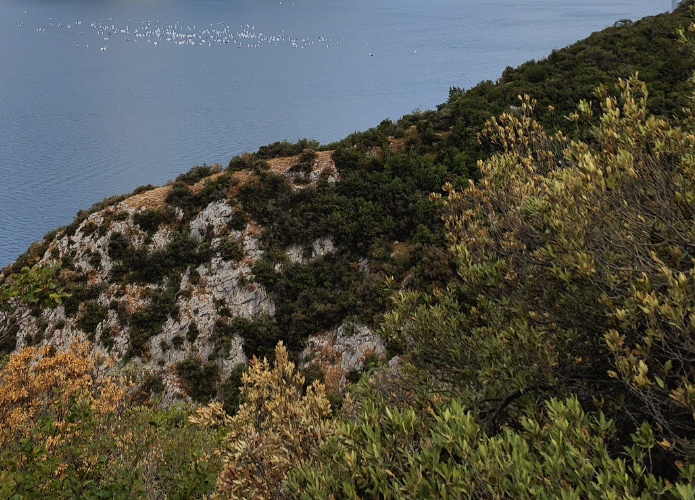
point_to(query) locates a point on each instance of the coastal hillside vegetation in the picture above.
(520, 262)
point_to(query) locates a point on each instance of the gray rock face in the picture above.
(219, 283)
(217, 291)
(215, 216)
(319, 248)
(247, 301)
(341, 351)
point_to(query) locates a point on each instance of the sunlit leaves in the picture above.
(276, 428)
(571, 250)
(394, 454)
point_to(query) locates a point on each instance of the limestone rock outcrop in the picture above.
(193, 306)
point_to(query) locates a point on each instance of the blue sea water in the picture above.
(99, 97)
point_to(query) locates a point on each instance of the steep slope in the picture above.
(153, 279)
(297, 242)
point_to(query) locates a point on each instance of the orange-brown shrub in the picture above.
(36, 378)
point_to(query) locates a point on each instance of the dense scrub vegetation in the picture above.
(542, 308)
(70, 429)
(387, 174)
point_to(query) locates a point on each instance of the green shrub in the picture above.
(192, 332)
(89, 228)
(255, 196)
(152, 382)
(76, 465)
(566, 283)
(35, 252)
(284, 149)
(392, 454)
(143, 189)
(153, 267)
(177, 341)
(305, 161)
(148, 321)
(106, 337)
(314, 297)
(230, 390)
(150, 220)
(199, 381)
(231, 249)
(238, 222)
(118, 246)
(261, 334)
(197, 173)
(181, 196)
(312, 373)
(182, 466)
(237, 163)
(95, 260)
(216, 189)
(80, 292)
(93, 315)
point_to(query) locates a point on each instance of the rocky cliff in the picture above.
(158, 281)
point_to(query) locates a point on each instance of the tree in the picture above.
(576, 265)
(276, 428)
(36, 378)
(68, 429)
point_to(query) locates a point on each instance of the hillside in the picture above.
(520, 299)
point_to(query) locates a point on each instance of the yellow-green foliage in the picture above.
(562, 453)
(276, 428)
(175, 457)
(573, 257)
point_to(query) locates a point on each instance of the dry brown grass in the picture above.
(149, 199)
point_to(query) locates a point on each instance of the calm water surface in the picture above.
(97, 98)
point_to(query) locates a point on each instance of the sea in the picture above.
(100, 97)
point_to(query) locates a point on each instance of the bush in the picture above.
(197, 173)
(305, 161)
(70, 433)
(143, 189)
(571, 273)
(153, 383)
(74, 465)
(21, 294)
(392, 453)
(192, 332)
(178, 463)
(118, 246)
(215, 189)
(275, 428)
(106, 337)
(138, 264)
(199, 381)
(33, 377)
(93, 315)
(231, 390)
(177, 341)
(150, 220)
(284, 149)
(231, 249)
(148, 321)
(260, 334)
